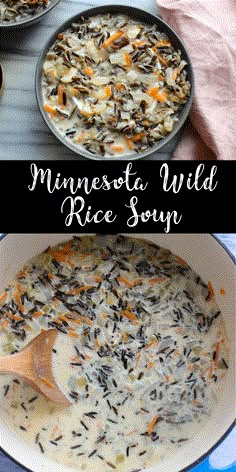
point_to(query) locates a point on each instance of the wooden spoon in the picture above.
(34, 365)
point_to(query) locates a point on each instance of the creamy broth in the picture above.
(141, 351)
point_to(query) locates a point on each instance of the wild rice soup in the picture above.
(114, 85)
(17, 10)
(141, 352)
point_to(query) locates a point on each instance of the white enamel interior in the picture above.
(209, 259)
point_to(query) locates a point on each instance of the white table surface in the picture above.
(23, 133)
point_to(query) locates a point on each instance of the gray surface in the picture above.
(23, 133)
(6, 465)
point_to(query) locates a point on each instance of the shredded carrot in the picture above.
(98, 279)
(117, 148)
(67, 249)
(59, 256)
(108, 91)
(112, 39)
(76, 291)
(181, 261)
(152, 424)
(50, 109)
(167, 378)
(47, 382)
(5, 324)
(162, 60)
(159, 44)
(152, 343)
(75, 91)
(86, 113)
(87, 357)
(150, 365)
(156, 280)
(23, 273)
(128, 314)
(81, 137)
(120, 87)
(72, 334)
(128, 60)
(89, 71)
(76, 321)
(52, 74)
(137, 137)
(125, 281)
(51, 276)
(159, 76)
(14, 317)
(217, 352)
(97, 343)
(137, 359)
(60, 95)
(132, 432)
(175, 73)
(85, 319)
(3, 297)
(19, 302)
(63, 318)
(154, 92)
(139, 42)
(129, 143)
(222, 291)
(211, 291)
(104, 316)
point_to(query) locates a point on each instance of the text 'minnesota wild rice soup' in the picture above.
(113, 85)
(141, 352)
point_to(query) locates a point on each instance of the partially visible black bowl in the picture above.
(135, 14)
(28, 20)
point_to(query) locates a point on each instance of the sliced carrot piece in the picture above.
(89, 71)
(128, 60)
(182, 261)
(117, 148)
(131, 316)
(47, 382)
(129, 143)
(154, 92)
(51, 276)
(159, 44)
(125, 281)
(120, 87)
(108, 91)
(73, 334)
(162, 60)
(5, 324)
(3, 297)
(156, 280)
(211, 290)
(50, 109)
(76, 291)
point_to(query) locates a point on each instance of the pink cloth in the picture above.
(208, 29)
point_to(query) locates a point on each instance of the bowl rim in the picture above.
(80, 152)
(226, 433)
(32, 19)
